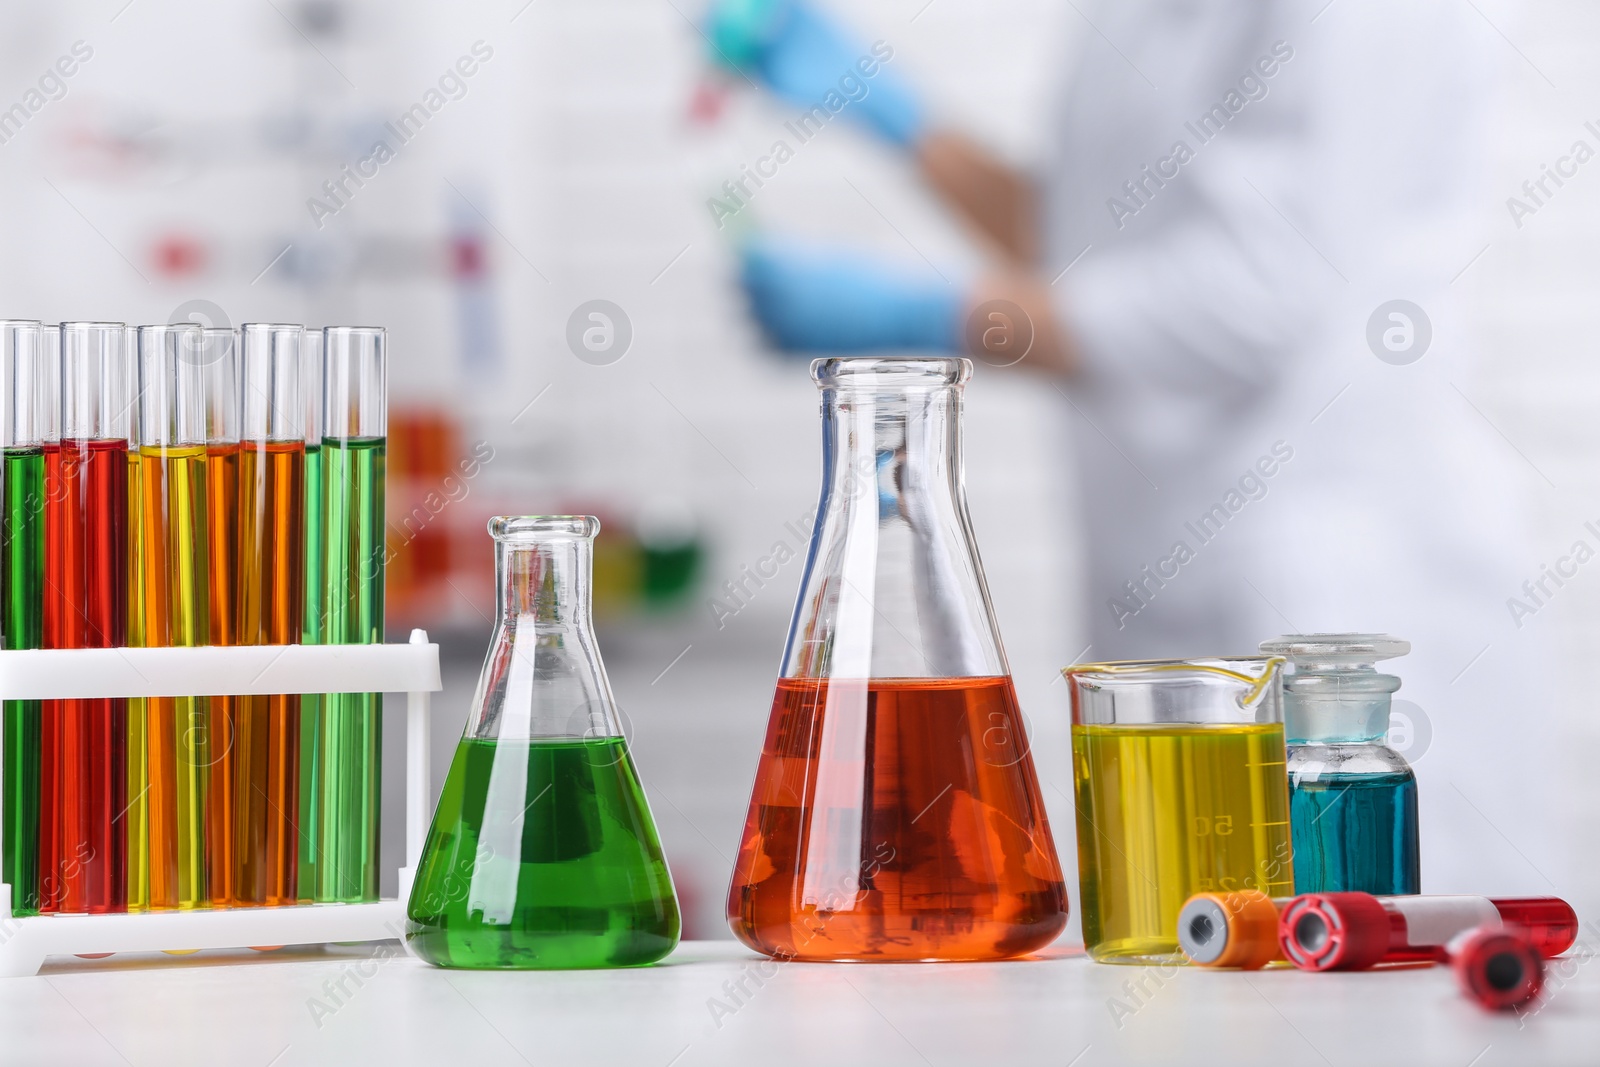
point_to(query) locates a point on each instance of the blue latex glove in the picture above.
(812, 300)
(807, 60)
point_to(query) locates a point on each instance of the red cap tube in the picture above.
(1352, 931)
(1334, 931)
(1499, 967)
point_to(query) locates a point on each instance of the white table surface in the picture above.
(257, 1009)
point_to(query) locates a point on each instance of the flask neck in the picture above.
(899, 448)
(543, 677)
(545, 582)
(893, 587)
(1337, 706)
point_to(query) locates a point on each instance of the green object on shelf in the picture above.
(22, 566)
(350, 744)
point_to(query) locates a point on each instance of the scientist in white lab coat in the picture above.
(1236, 267)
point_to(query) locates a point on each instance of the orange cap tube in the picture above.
(1231, 929)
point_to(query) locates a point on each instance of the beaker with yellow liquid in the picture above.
(1181, 789)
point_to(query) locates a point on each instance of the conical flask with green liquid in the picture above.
(543, 853)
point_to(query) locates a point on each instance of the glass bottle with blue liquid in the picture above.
(1352, 798)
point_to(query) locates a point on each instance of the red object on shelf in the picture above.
(1499, 967)
(83, 759)
(178, 255)
(1354, 931)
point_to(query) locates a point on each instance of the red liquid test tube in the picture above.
(83, 743)
(1354, 931)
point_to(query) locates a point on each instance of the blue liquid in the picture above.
(1355, 833)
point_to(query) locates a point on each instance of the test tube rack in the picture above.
(65, 674)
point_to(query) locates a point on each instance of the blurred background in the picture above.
(196, 162)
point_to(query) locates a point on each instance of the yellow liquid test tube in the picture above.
(170, 556)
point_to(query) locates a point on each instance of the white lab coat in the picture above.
(1223, 325)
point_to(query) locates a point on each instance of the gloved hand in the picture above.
(808, 299)
(806, 59)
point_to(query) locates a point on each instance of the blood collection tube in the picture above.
(1231, 929)
(83, 743)
(1499, 967)
(270, 610)
(1353, 931)
(22, 570)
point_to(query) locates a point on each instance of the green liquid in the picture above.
(312, 633)
(542, 855)
(22, 569)
(350, 735)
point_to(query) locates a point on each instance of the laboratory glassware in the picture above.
(354, 446)
(169, 562)
(136, 817)
(220, 362)
(543, 852)
(1237, 929)
(1179, 768)
(271, 605)
(895, 813)
(312, 625)
(1354, 931)
(1499, 967)
(1242, 929)
(83, 742)
(1352, 798)
(22, 357)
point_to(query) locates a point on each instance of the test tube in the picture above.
(83, 759)
(312, 627)
(1499, 967)
(271, 609)
(136, 819)
(22, 569)
(1343, 931)
(354, 447)
(220, 358)
(169, 557)
(1231, 929)
(1354, 931)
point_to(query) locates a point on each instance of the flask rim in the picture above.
(530, 529)
(891, 372)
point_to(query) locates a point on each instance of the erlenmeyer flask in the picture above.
(895, 814)
(542, 853)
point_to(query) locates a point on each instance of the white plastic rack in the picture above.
(411, 668)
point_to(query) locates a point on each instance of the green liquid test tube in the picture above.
(22, 570)
(354, 445)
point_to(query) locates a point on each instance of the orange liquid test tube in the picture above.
(270, 607)
(220, 359)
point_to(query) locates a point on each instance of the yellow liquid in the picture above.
(171, 553)
(1168, 811)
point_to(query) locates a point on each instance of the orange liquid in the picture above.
(272, 584)
(896, 819)
(222, 562)
(168, 555)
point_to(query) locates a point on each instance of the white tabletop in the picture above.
(284, 1008)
